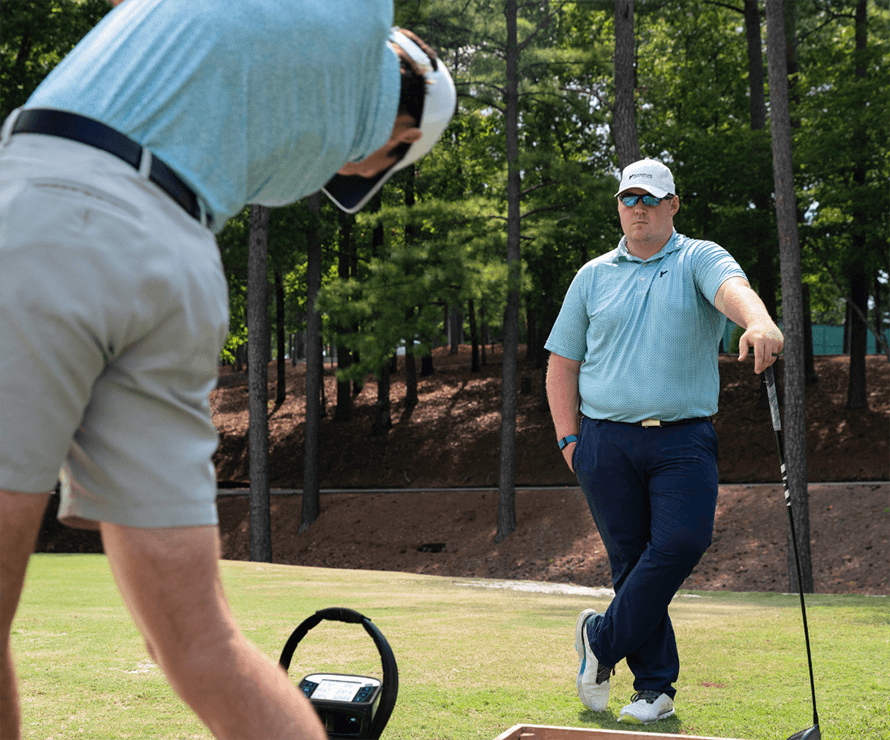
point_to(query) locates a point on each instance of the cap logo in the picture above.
(640, 174)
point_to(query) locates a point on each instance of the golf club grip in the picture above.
(770, 381)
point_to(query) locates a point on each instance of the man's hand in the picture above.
(766, 341)
(567, 453)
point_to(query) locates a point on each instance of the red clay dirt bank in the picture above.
(451, 439)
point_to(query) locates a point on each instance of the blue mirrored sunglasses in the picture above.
(648, 200)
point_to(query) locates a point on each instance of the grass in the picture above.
(473, 661)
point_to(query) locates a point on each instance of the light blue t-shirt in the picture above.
(252, 101)
(647, 332)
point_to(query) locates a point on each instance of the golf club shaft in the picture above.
(777, 426)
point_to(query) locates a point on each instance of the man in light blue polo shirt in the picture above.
(635, 349)
(165, 120)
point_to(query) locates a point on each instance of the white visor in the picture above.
(351, 192)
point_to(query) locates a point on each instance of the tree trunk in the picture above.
(311, 504)
(531, 334)
(426, 365)
(764, 269)
(624, 122)
(474, 337)
(808, 359)
(280, 386)
(343, 411)
(485, 333)
(376, 245)
(857, 396)
(757, 98)
(506, 518)
(792, 297)
(258, 388)
(411, 396)
(411, 233)
(792, 70)
(383, 409)
(298, 342)
(455, 328)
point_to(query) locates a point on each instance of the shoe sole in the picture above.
(579, 644)
(629, 719)
(580, 625)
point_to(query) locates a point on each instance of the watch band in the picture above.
(565, 441)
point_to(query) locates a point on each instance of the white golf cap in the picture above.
(648, 175)
(351, 192)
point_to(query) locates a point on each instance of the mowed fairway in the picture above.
(475, 657)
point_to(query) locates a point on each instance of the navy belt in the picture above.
(96, 134)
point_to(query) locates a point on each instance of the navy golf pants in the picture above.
(652, 492)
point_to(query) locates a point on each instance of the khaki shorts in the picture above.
(113, 311)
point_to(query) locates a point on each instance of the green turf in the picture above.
(473, 661)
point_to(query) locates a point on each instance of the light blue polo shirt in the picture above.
(647, 332)
(251, 101)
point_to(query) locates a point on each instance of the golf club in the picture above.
(811, 733)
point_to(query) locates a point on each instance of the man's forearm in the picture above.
(563, 394)
(740, 304)
(564, 398)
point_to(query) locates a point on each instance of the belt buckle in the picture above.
(650, 423)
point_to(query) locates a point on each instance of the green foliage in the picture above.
(457, 246)
(842, 142)
(37, 34)
(693, 93)
(692, 111)
(289, 228)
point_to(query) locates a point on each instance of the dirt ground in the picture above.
(452, 437)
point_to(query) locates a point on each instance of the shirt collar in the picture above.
(672, 245)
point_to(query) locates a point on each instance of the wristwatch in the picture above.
(567, 441)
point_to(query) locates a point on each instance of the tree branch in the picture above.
(536, 187)
(592, 93)
(545, 208)
(725, 5)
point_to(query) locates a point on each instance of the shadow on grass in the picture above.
(608, 720)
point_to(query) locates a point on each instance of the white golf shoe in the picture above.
(593, 677)
(647, 707)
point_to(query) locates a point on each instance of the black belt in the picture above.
(659, 423)
(96, 134)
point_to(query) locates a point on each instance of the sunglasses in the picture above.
(648, 200)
